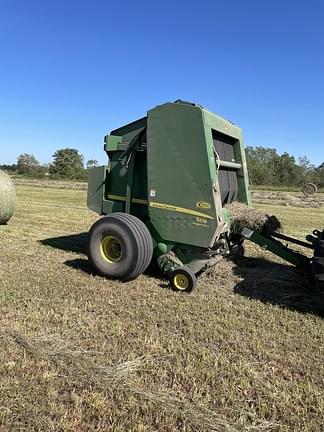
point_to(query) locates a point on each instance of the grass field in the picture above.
(282, 188)
(244, 352)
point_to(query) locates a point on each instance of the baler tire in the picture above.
(120, 246)
(182, 279)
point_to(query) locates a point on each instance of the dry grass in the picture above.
(289, 199)
(80, 353)
(47, 183)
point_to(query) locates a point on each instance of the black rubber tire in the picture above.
(188, 274)
(135, 241)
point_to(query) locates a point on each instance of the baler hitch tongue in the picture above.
(271, 243)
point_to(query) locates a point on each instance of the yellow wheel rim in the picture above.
(110, 249)
(181, 281)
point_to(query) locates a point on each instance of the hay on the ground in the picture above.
(7, 198)
(247, 217)
(82, 369)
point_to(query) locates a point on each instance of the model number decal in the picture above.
(201, 220)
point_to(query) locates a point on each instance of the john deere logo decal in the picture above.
(203, 205)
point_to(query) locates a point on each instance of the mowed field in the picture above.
(243, 352)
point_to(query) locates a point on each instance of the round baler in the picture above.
(176, 190)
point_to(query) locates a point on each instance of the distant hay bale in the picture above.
(7, 198)
(247, 217)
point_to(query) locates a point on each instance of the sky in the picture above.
(72, 71)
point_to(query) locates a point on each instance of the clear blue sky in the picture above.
(71, 71)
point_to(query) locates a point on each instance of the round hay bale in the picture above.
(7, 198)
(247, 217)
(309, 189)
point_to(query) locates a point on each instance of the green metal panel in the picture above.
(111, 206)
(277, 248)
(215, 122)
(117, 178)
(111, 142)
(96, 188)
(180, 181)
(128, 131)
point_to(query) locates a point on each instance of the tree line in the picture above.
(67, 163)
(266, 167)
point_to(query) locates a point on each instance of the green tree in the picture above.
(92, 163)
(26, 163)
(262, 163)
(309, 171)
(8, 167)
(320, 175)
(68, 164)
(287, 173)
(266, 167)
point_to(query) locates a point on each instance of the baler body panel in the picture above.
(96, 188)
(128, 131)
(118, 173)
(181, 174)
(187, 164)
(117, 179)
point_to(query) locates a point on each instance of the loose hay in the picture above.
(75, 362)
(247, 217)
(288, 199)
(79, 366)
(7, 198)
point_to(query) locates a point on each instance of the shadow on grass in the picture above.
(278, 284)
(78, 243)
(71, 243)
(82, 264)
(267, 281)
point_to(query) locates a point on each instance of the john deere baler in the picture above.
(163, 195)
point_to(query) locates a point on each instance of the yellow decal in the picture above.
(201, 222)
(116, 197)
(162, 206)
(178, 209)
(203, 205)
(139, 201)
(123, 198)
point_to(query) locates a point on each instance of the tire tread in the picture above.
(142, 238)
